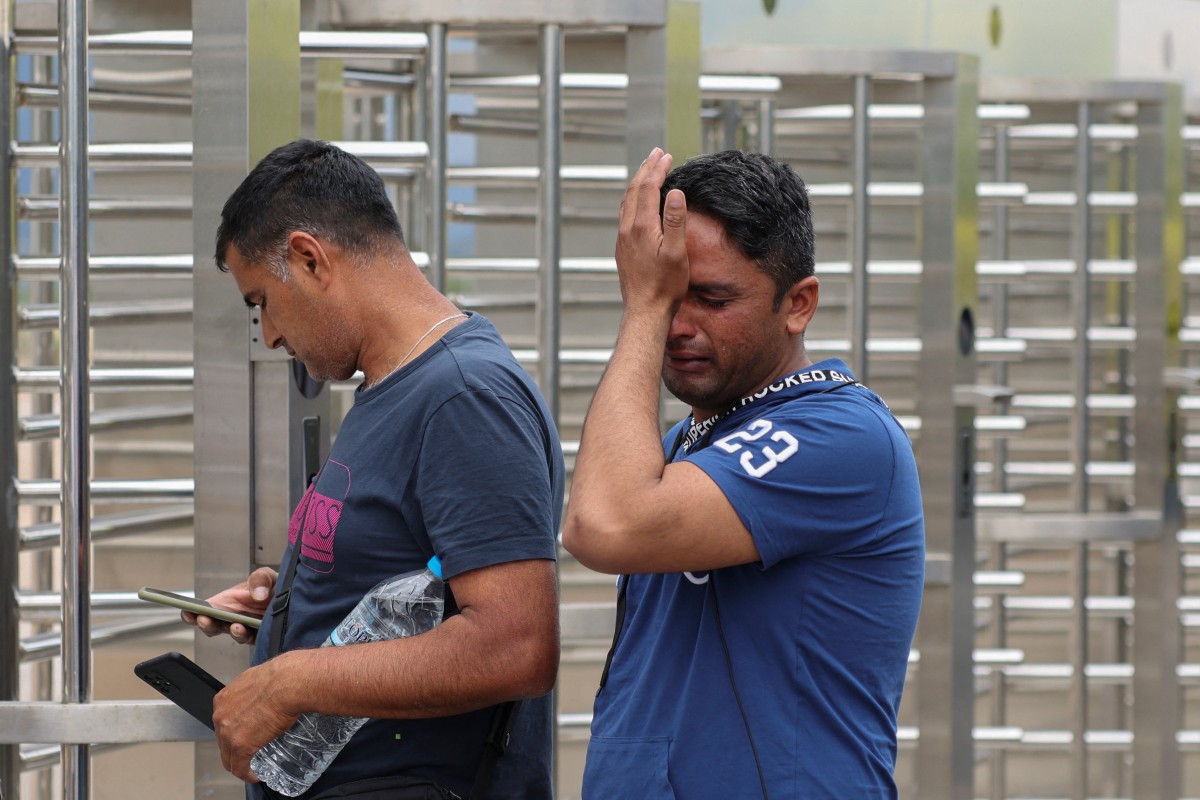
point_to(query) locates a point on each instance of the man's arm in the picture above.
(503, 645)
(629, 511)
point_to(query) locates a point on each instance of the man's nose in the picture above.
(271, 335)
(682, 326)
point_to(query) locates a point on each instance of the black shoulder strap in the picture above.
(494, 746)
(283, 589)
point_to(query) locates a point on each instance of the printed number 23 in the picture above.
(769, 458)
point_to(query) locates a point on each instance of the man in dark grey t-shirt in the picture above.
(448, 450)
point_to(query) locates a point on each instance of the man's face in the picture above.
(293, 317)
(726, 340)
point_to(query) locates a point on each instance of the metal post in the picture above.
(73, 366)
(946, 448)
(860, 227)
(10, 755)
(549, 212)
(999, 756)
(246, 101)
(766, 127)
(1159, 245)
(437, 80)
(1081, 245)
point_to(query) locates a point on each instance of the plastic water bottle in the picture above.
(402, 606)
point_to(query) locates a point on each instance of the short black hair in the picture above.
(761, 203)
(310, 186)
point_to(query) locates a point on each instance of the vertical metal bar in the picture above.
(1077, 702)
(860, 227)
(246, 101)
(1000, 251)
(948, 236)
(1081, 245)
(73, 366)
(1159, 243)
(436, 115)
(731, 120)
(766, 127)
(10, 755)
(550, 212)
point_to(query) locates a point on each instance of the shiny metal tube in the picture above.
(549, 233)
(766, 127)
(48, 426)
(171, 490)
(157, 378)
(75, 394)
(47, 317)
(9, 620)
(49, 534)
(313, 44)
(44, 646)
(1081, 249)
(46, 208)
(436, 108)
(154, 267)
(860, 230)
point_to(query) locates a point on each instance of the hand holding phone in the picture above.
(183, 682)
(197, 606)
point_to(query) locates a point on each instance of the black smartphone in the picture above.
(183, 682)
(197, 606)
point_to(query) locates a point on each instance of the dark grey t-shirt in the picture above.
(454, 455)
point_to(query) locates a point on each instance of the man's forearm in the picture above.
(442, 672)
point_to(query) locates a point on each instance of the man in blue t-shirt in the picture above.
(448, 450)
(772, 546)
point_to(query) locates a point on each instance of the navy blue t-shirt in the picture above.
(818, 632)
(455, 454)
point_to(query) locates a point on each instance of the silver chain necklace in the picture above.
(417, 344)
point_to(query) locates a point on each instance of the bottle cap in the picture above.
(435, 566)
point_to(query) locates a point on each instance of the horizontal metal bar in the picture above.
(110, 378)
(155, 156)
(999, 271)
(527, 214)
(895, 112)
(46, 317)
(313, 44)
(1069, 528)
(49, 534)
(46, 426)
(178, 155)
(49, 645)
(39, 96)
(47, 606)
(46, 208)
(1108, 404)
(48, 493)
(614, 176)
(109, 722)
(164, 266)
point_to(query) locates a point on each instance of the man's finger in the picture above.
(637, 191)
(674, 245)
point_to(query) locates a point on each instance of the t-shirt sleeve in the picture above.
(484, 483)
(810, 484)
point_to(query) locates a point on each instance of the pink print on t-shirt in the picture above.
(321, 509)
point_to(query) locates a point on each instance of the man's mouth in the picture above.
(686, 362)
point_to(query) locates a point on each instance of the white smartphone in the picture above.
(197, 606)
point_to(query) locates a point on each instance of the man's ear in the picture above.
(308, 256)
(800, 302)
